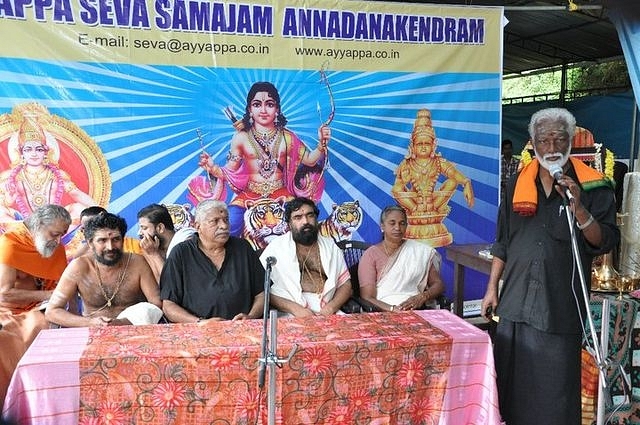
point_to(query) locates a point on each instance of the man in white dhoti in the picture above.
(310, 276)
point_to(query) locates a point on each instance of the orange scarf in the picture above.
(525, 195)
(18, 250)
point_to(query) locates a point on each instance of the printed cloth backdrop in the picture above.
(113, 103)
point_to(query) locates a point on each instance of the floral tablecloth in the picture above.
(378, 368)
(345, 369)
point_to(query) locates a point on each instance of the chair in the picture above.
(352, 251)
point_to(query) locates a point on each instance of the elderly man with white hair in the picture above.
(32, 260)
(538, 338)
(212, 276)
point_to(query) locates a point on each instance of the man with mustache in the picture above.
(212, 276)
(537, 342)
(158, 235)
(116, 287)
(311, 276)
(31, 262)
(129, 245)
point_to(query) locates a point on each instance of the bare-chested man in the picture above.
(116, 287)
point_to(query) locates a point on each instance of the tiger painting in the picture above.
(180, 215)
(343, 221)
(263, 221)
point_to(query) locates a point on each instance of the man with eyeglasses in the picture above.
(537, 342)
(212, 276)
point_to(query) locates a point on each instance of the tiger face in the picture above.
(344, 220)
(263, 221)
(180, 215)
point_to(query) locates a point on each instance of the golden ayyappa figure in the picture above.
(415, 185)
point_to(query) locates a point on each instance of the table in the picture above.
(465, 256)
(404, 367)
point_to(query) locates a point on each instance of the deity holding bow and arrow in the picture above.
(266, 160)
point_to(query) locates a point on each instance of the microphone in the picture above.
(271, 261)
(556, 171)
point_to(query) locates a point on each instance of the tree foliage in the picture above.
(599, 77)
(606, 75)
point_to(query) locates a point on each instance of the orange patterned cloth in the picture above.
(345, 370)
(589, 393)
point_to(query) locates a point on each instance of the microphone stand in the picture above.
(597, 351)
(269, 346)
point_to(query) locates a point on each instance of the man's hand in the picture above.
(119, 322)
(100, 321)
(326, 311)
(488, 306)
(211, 319)
(303, 312)
(150, 244)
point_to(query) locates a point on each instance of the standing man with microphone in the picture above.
(541, 307)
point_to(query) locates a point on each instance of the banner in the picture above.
(626, 18)
(377, 104)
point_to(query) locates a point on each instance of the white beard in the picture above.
(44, 247)
(562, 158)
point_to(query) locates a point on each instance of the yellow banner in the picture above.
(354, 35)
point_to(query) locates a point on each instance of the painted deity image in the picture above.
(267, 165)
(48, 160)
(415, 185)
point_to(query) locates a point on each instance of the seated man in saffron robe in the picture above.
(32, 260)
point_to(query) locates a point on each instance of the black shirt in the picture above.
(190, 279)
(541, 285)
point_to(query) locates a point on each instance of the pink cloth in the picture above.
(471, 394)
(46, 386)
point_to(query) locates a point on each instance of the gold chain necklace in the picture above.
(265, 139)
(267, 151)
(107, 298)
(36, 180)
